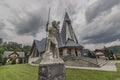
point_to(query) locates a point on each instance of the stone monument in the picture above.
(51, 66)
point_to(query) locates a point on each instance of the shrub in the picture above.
(1, 58)
(4, 61)
(14, 61)
(91, 54)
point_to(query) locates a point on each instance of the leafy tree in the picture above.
(1, 40)
(1, 49)
(108, 53)
(91, 54)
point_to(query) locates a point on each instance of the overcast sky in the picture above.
(95, 22)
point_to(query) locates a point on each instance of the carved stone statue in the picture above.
(52, 45)
(51, 54)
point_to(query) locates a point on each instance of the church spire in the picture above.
(67, 30)
(66, 18)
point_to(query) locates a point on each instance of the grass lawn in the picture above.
(29, 72)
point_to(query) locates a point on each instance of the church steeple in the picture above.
(66, 18)
(67, 30)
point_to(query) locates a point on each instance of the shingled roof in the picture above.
(40, 44)
(7, 53)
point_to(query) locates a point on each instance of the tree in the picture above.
(26, 49)
(91, 54)
(119, 49)
(1, 40)
(109, 53)
(1, 49)
(1, 59)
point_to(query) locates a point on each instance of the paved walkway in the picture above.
(110, 66)
(98, 61)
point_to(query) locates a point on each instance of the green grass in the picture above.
(18, 72)
(29, 72)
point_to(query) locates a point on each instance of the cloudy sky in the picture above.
(95, 22)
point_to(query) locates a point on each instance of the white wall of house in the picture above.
(73, 52)
(31, 60)
(79, 53)
(65, 52)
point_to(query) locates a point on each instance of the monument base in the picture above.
(52, 72)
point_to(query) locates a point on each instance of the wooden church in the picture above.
(67, 43)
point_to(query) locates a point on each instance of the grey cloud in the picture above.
(34, 20)
(2, 28)
(31, 24)
(104, 29)
(37, 12)
(2, 3)
(105, 37)
(37, 20)
(98, 7)
(2, 25)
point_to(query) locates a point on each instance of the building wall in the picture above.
(35, 56)
(10, 60)
(65, 52)
(32, 60)
(72, 52)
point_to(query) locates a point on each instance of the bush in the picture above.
(91, 54)
(1, 58)
(4, 61)
(13, 62)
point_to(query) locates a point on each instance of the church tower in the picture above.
(67, 30)
(69, 40)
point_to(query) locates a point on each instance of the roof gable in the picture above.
(40, 45)
(7, 53)
(67, 30)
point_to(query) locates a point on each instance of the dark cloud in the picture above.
(31, 24)
(2, 28)
(108, 36)
(102, 21)
(98, 7)
(104, 28)
(2, 25)
(36, 20)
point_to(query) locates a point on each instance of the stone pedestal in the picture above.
(52, 71)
